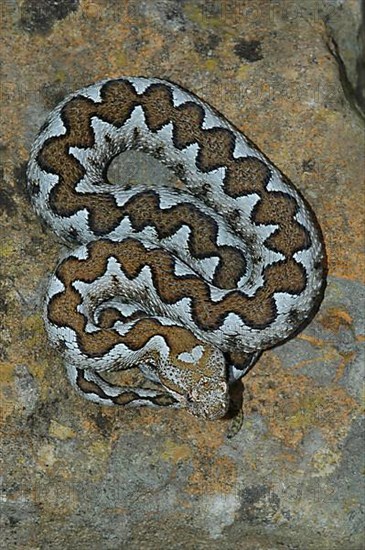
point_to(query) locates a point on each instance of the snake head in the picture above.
(208, 399)
(198, 380)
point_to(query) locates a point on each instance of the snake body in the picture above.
(187, 283)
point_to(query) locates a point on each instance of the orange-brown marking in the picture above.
(133, 256)
(87, 386)
(143, 210)
(243, 175)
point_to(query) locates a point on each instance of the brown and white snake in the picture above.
(190, 284)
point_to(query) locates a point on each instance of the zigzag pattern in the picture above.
(208, 276)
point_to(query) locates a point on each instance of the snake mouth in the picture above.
(209, 412)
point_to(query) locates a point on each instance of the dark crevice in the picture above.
(354, 95)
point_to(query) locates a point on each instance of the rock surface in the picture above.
(81, 476)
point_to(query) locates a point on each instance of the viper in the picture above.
(189, 283)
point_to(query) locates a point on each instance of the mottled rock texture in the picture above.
(77, 475)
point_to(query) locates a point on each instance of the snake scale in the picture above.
(188, 283)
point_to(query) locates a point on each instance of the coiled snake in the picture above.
(189, 284)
